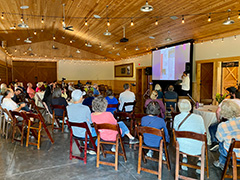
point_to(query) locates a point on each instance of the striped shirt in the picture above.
(228, 130)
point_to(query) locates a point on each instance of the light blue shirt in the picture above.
(126, 96)
(79, 113)
(193, 123)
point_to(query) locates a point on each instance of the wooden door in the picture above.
(229, 77)
(206, 82)
(30, 71)
(139, 81)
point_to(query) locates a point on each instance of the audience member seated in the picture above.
(186, 121)
(3, 90)
(38, 86)
(170, 94)
(95, 90)
(47, 98)
(15, 97)
(20, 85)
(79, 84)
(88, 101)
(79, 113)
(71, 86)
(64, 93)
(152, 120)
(8, 103)
(40, 94)
(126, 96)
(153, 97)
(159, 91)
(111, 100)
(227, 130)
(100, 116)
(57, 99)
(237, 94)
(213, 127)
(30, 90)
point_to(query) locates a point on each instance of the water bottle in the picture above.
(197, 105)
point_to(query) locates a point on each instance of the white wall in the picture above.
(85, 70)
(228, 47)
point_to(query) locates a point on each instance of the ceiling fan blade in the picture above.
(69, 27)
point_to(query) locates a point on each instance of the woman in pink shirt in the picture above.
(100, 116)
(30, 90)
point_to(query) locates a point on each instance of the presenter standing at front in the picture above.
(185, 84)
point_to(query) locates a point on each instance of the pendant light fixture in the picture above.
(228, 21)
(146, 7)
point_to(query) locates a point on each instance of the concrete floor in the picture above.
(52, 162)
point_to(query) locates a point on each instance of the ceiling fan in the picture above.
(68, 28)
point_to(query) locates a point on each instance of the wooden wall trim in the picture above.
(235, 58)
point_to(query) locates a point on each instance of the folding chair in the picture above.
(149, 130)
(8, 120)
(78, 141)
(34, 124)
(2, 119)
(232, 155)
(58, 118)
(196, 136)
(168, 110)
(125, 115)
(18, 124)
(116, 143)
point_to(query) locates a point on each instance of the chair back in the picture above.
(80, 125)
(113, 127)
(150, 130)
(8, 114)
(129, 104)
(62, 107)
(189, 135)
(112, 105)
(138, 116)
(35, 116)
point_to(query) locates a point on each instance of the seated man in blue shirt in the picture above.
(78, 113)
(170, 94)
(95, 90)
(152, 120)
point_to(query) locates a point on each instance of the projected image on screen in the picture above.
(169, 63)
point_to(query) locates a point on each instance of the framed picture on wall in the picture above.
(124, 70)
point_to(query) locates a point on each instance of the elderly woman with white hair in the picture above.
(158, 88)
(100, 116)
(230, 109)
(30, 90)
(191, 122)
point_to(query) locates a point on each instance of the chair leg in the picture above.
(123, 149)
(202, 162)
(7, 130)
(207, 161)
(116, 154)
(63, 125)
(1, 121)
(160, 160)
(234, 160)
(85, 151)
(22, 133)
(70, 153)
(98, 150)
(39, 135)
(28, 132)
(4, 124)
(139, 155)
(177, 161)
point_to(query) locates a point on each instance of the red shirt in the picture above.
(105, 117)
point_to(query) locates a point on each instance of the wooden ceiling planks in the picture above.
(195, 27)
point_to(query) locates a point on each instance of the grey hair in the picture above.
(99, 104)
(229, 109)
(126, 86)
(57, 93)
(184, 105)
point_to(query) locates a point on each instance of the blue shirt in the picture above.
(111, 101)
(79, 113)
(171, 95)
(88, 101)
(154, 122)
(160, 94)
(95, 91)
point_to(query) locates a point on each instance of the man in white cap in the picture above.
(78, 113)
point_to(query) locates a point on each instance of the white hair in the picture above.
(158, 87)
(184, 105)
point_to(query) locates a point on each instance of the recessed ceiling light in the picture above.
(97, 16)
(116, 42)
(24, 7)
(118, 54)
(78, 51)
(174, 17)
(63, 37)
(18, 39)
(151, 37)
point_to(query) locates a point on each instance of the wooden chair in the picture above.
(2, 119)
(116, 143)
(168, 110)
(232, 155)
(35, 126)
(125, 115)
(5, 120)
(20, 125)
(157, 132)
(78, 141)
(58, 118)
(195, 136)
